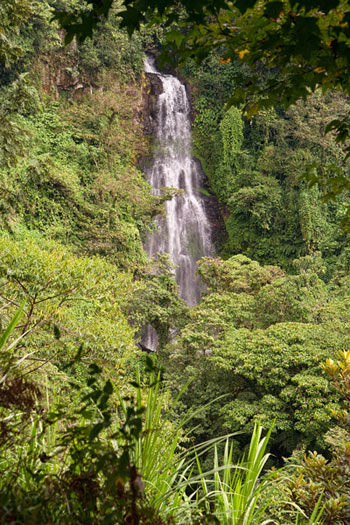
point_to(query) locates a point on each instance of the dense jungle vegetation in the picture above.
(242, 414)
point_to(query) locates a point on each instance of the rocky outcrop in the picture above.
(58, 76)
(212, 210)
(60, 72)
(153, 87)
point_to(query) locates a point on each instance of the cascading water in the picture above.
(185, 232)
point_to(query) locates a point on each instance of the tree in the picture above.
(13, 14)
(84, 297)
(252, 349)
(318, 477)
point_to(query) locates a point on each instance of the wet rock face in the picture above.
(217, 225)
(212, 209)
(154, 88)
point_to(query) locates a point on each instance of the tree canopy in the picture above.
(302, 44)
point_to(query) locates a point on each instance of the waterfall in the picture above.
(184, 233)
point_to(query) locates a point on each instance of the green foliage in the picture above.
(231, 128)
(79, 297)
(269, 213)
(156, 302)
(81, 21)
(76, 464)
(257, 339)
(258, 205)
(13, 14)
(76, 208)
(235, 496)
(293, 298)
(109, 458)
(76, 179)
(19, 97)
(74, 203)
(329, 479)
(38, 35)
(269, 33)
(291, 389)
(274, 33)
(111, 48)
(207, 140)
(238, 274)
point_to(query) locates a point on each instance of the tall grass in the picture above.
(233, 493)
(174, 481)
(165, 470)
